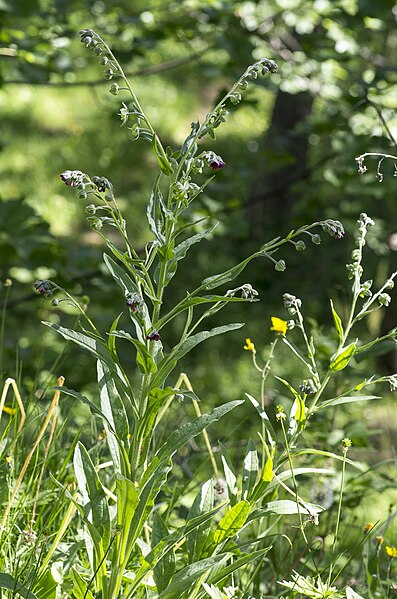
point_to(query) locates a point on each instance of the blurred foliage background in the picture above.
(289, 150)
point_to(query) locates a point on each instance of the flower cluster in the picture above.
(44, 287)
(93, 41)
(134, 302)
(333, 228)
(86, 185)
(292, 303)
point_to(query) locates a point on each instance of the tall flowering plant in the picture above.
(130, 548)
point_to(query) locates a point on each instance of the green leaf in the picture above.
(154, 213)
(230, 476)
(191, 301)
(162, 159)
(11, 584)
(92, 493)
(250, 469)
(337, 321)
(120, 276)
(94, 346)
(237, 564)
(267, 475)
(170, 361)
(232, 522)
(342, 358)
(144, 360)
(265, 418)
(203, 502)
(346, 399)
(127, 501)
(181, 582)
(286, 506)
(80, 590)
(227, 275)
(113, 409)
(165, 568)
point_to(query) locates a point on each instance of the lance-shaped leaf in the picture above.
(232, 522)
(154, 213)
(92, 492)
(113, 409)
(341, 359)
(236, 564)
(227, 275)
(337, 321)
(183, 579)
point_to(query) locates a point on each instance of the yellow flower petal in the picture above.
(10, 411)
(249, 345)
(391, 551)
(278, 325)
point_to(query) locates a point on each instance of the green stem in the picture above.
(342, 482)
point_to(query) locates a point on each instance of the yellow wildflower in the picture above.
(391, 551)
(379, 540)
(367, 528)
(249, 345)
(10, 411)
(278, 325)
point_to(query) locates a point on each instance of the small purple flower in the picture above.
(72, 178)
(213, 160)
(134, 302)
(217, 164)
(153, 336)
(43, 287)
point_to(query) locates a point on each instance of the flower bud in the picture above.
(153, 336)
(90, 209)
(300, 245)
(316, 239)
(280, 266)
(114, 89)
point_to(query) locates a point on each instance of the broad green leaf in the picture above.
(92, 493)
(182, 248)
(342, 358)
(144, 360)
(165, 568)
(182, 580)
(80, 590)
(127, 501)
(170, 361)
(203, 502)
(113, 408)
(232, 522)
(250, 470)
(48, 585)
(12, 584)
(157, 471)
(156, 399)
(346, 399)
(337, 321)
